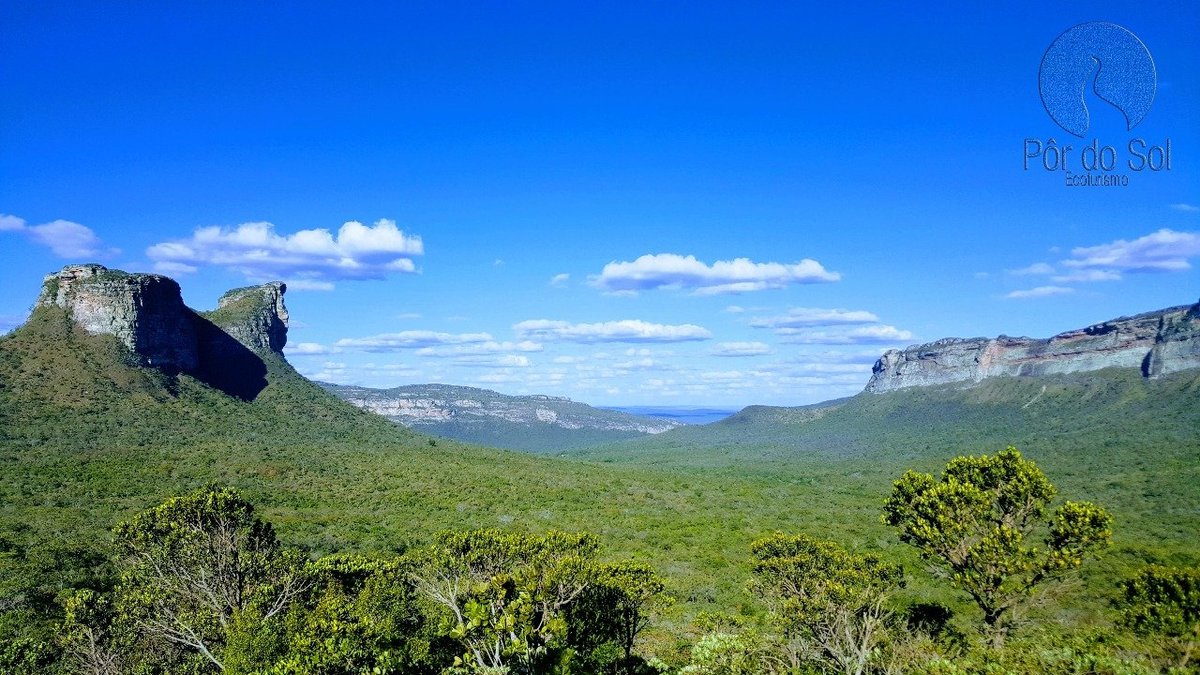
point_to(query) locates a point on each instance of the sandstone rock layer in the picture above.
(1157, 343)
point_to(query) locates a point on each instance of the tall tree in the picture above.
(507, 592)
(829, 601)
(978, 525)
(196, 565)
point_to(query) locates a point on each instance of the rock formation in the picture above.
(254, 316)
(1158, 343)
(145, 312)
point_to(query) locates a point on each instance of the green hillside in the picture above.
(1109, 436)
(88, 439)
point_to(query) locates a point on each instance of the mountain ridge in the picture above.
(533, 423)
(1158, 343)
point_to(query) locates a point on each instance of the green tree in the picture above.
(977, 525)
(829, 602)
(1165, 601)
(200, 567)
(361, 616)
(506, 594)
(611, 612)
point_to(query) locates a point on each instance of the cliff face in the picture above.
(143, 311)
(1158, 343)
(254, 316)
(146, 313)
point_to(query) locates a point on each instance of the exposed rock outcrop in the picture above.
(255, 316)
(145, 312)
(1158, 343)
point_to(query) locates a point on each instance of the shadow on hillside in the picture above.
(227, 364)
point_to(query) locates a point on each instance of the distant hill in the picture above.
(543, 424)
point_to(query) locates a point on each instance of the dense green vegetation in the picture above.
(88, 440)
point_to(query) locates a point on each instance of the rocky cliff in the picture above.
(1157, 343)
(145, 312)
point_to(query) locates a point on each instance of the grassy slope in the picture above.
(86, 440)
(1129, 444)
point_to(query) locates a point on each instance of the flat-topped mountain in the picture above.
(531, 423)
(145, 312)
(1158, 343)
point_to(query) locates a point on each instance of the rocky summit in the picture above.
(1157, 343)
(145, 312)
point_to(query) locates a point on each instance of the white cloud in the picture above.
(307, 259)
(1186, 208)
(741, 275)
(560, 280)
(309, 285)
(807, 316)
(875, 334)
(742, 349)
(309, 349)
(1086, 276)
(494, 361)
(1036, 269)
(174, 268)
(474, 348)
(629, 330)
(1162, 251)
(1040, 292)
(411, 339)
(63, 237)
(735, 309)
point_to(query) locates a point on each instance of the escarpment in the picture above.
(1157, 343)
(145, 312)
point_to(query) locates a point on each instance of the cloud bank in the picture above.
(741, 275)
(307, 259)
(64, 238)
(629, 330)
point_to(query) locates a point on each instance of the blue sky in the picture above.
(624, 203)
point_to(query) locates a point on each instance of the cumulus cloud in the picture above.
(741, 275)
(1162, 251)
(63, 237)
(309, 349)
(742, 349)
(476, 348)
(494, 361)
(629, 330)
(1040, 292)
(560, 280)
(1036, 269)
(314, 257)
(808, 325)
(859, 335)
(806, 316)
(1086, 276)
(411, 339)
